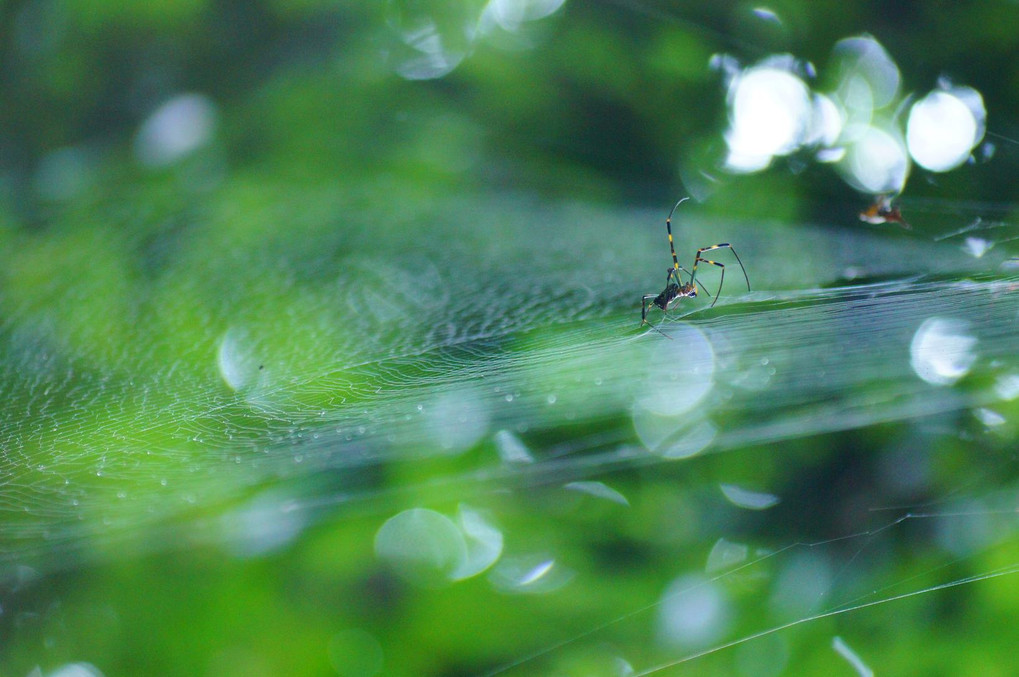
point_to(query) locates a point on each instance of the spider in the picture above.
(675, 288)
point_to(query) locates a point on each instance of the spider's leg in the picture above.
(643, 308)
(643, 319)
(721, 280)
(672, 273)
(668, 227)
(659, 331)
(676, 274)
(726, 245)
(699, 258)
(702, 284)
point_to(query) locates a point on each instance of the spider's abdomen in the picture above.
(666, 297)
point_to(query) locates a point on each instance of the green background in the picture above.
(364, 294)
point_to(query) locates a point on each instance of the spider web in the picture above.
(322, 365)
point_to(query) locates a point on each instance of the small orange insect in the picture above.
(882, 211)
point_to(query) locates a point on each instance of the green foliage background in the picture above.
(326, 165)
